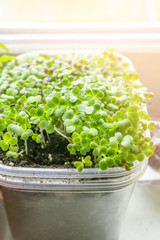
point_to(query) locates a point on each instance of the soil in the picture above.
(53, 155)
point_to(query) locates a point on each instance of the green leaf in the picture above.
(84, 134)
(103, 142)
(11, 92)
(83, 150)
(151, 126)
(113, 144)
(9, 154)
(13, 149)
(47, 91)
(22, 121)
(118, 135)
(4, 145)
(140, 157)
(38, 138)
(88, 110)
(96, 151)
(103, 150)
(13, 141)
(56, 100)
(112, 107)
(128, 138)
(76, 164)
(133, 108)
(51, 104)
(7, 136)
(124, 123)
(68, 122)
(75, 135)
(80, 168)
(12, 154)
(110, 161)
(69, 114)
(59, 112)
(40, 112)
(33, 99)
(148, 152)
(97, 116)
(97, 107)
(34, 120)
(33, 112)
(73, 99)
(15, 129)
(29, 132)
(71, 148)
(43, 124)
(134, 149)
(97, 94)
(111, 151)
(131, 76)
(83, 61)
(126, 144)
(87, 161)
(24, 136)
(93, 131)
(50, 128)
(2, 124)
(103, 164)
(76, 90)
(70, 129)
(84, 108)
(3, 47)
(93, 145)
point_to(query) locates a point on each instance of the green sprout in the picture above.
(93, 101)
(2, 46)
(5, 58)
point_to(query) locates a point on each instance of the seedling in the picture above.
(95, 102)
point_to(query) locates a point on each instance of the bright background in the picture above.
(79, 10)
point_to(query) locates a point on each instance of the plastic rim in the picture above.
(69, 179)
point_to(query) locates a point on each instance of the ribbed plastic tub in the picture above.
(63, 204)
(5, 233)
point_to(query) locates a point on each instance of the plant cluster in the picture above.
(94, 101)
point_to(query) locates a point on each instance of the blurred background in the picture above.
(79, 11)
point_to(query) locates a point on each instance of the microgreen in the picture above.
(5, 58)
(92, 101)
(3, 47)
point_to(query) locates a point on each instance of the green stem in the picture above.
(43, 139)
(48, 137)
(26, 147)
(60, 133)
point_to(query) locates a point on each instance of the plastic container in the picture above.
(63, 204)
(5, 233)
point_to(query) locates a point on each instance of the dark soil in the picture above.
(53, 155)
